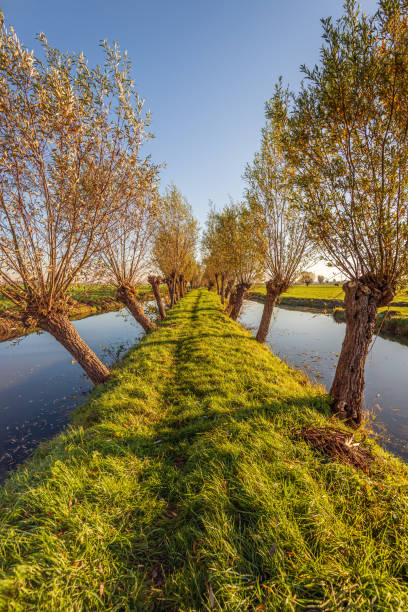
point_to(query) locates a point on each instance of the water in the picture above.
(312, 342)
(40, 385)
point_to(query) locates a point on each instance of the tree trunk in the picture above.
(361, 303)
(176, 295)
(222, 292)
(218, 284)
(272, 294)
(128, 297)
(58, 325)
(228, 288)
(155, 283)
(181, 286)
(237, 299)
(169, 284)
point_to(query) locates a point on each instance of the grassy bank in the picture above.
(89, 295)
(181, 486)
(329, 298)
(327, 293)
(87, 300)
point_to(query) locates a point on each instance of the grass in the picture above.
(87, 294)
(321, 292)
(319, 297)
(181, 487)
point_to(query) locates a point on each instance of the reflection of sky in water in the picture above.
(39, 384)
(312, 342)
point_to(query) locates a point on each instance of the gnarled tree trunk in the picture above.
(155, 283)
(228, 288)
(128, 297)
(361, 305)
(58, 325)
(237, 299)
(273, 291)
(169, 283)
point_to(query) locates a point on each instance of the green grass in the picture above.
(5, 304)
(322, 292)
(88, 294)
(180, 487)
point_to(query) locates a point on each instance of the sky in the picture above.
(204, 67)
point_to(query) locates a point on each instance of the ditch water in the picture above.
(40, 385)
(312, 341)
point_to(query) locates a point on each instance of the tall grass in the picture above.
(181, 487)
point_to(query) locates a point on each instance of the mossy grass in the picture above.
(180, 486)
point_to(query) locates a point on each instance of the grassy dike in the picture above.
(180, 486)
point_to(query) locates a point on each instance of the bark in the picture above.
(128, 297)
(272, 293)
(237, 299)
(181, 286)
(210, 285)
(176, 293)
(170, 281)
(228, 288)
(58, 325)
(155, 283)
(222, 292)
(361, 305)
(218, 284)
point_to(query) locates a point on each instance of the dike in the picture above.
(186, 483)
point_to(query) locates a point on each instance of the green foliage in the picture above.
(181, 487)
(176, 236)
(279, 230)
(228, 245)
(349, 143)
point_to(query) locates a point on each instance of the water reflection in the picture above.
(312, 342)
(40, 384)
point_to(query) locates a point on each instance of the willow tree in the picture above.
(67, 135)
(216, 251)
(349, 141)
(230, 239)
(175, 241)
(128, 240)
(280, 233)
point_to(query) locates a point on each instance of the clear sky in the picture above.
(205, 68)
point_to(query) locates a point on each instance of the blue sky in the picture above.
(205, 68)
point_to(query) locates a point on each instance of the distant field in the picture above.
(89, 294)
(322, 292)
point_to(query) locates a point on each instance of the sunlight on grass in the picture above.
(181, 487)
